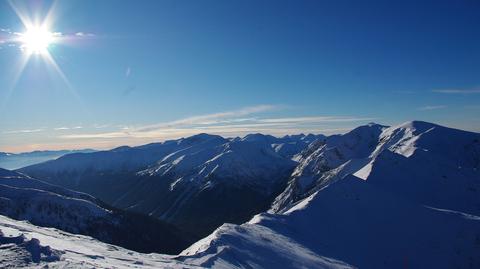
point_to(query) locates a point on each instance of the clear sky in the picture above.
(132, 72)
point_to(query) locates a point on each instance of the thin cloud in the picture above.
(212, 118)
(24, 131)
(83, 34)
(318, 119)
(426, 108)
(457, 91)
(229, 123)
(64, 128)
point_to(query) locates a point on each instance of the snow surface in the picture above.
(235, 247)
(73, 251)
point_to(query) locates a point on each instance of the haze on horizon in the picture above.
(93, 78)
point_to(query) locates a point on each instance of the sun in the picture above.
(37, 40)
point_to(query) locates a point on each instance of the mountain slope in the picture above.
(46, 205)
(325, 159)
(200, 182)
(428, 163)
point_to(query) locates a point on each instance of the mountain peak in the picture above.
(367, 130)
(201, 137)
(417, 125)
(257, 137)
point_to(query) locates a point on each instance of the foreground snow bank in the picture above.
(25, 245)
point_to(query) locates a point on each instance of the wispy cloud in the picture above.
(426, 108)
(27, 131)
(457, 91)
(317, 119)
(67, 128)
(230, 123)
(83, 34)
(214, 118)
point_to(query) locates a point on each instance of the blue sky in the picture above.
(134, 72)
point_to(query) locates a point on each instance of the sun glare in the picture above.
(37, 40)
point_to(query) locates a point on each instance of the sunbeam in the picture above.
(37, 39)
(19, 67)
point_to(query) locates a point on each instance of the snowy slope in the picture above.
(25, 245)
(47, 205)
(324, 159)
(200, 188)
(428, 163)
(254, 246)
(18, 180)
(351, 221)
(20, 242)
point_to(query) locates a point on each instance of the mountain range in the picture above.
(195, 183)
(404, 196)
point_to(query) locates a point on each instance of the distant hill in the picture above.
(13, 161)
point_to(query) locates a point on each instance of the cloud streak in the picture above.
(24, 131)
(458, 91)
(323, 119)
(230, 123)
(83, 34)
(215, 118)
(427, 108)
(67, 128)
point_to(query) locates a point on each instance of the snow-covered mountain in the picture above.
(25, 198)
(18, 160)
(428, 163)
(199, 182)
(377, 197)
